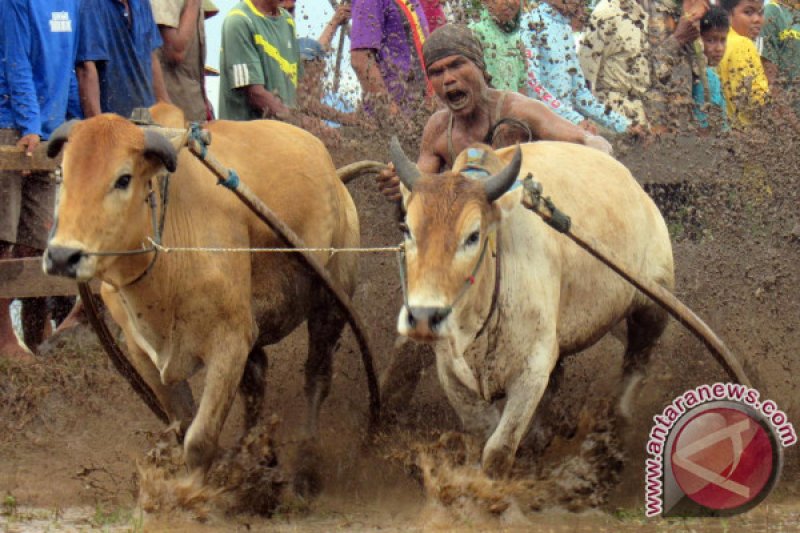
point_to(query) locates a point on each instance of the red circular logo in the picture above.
(722, 458)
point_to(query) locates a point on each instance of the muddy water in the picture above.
(77, 447)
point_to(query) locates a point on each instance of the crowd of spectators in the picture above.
(620, 67)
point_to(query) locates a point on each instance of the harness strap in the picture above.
(496, 292)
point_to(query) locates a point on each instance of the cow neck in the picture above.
(158, 225)
(496, 290)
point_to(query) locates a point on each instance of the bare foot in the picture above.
(76, 317)
(15, 353)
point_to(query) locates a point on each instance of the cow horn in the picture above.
(497, 185)
(157, 145)
(407, 171)
(59, 137)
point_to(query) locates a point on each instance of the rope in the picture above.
(169, 249)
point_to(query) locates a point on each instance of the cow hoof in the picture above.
(307, 479)
(497, 463)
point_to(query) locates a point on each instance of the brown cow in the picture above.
(181, 311)
(501, 295)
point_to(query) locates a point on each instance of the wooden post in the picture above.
(15, 159)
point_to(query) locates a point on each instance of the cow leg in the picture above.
(478, 416)
(325, 323)
(253, 386)
(523, 394)
(645, 326)
(224, 370)
(176, 398)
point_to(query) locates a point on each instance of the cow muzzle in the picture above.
(425, 323)
(63, 261)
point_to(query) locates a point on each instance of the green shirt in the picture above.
(257, 49)
(503, 53)
(781, 45)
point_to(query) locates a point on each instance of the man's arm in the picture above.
(547, 125)
(370, 77)
(177, 40)
(88, 88)
(340, 18)
(159, 87)
(266, 103)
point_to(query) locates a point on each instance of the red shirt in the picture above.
(434, 14)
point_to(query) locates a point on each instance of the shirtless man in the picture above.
(474, 112)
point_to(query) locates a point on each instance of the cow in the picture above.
(502, 296)
(180, 311)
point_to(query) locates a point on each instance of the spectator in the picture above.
(259, 62)
(744, 82)
(498, 30)
(434, 14)
(38, 44)
(621, 46)
(781, 50)
(707, 92)
(614, 57)
(547, 31)
(117, 64)
(676, 59)
(183, 55)
(386, 39)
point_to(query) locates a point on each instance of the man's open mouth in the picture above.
(456, 99)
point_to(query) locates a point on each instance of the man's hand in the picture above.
(688, 28)
(342, 15)
(389, 184)
(598, 143)
(29, 143)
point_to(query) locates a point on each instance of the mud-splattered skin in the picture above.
(553, 299)
(213, 309)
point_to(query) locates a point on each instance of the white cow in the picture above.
(503, 338)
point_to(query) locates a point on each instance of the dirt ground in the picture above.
(72, 433)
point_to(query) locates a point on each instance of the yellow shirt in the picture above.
(743, 80)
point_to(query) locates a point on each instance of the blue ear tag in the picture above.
(473, 166)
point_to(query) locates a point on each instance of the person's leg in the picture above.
(10, 202)
(36, 216)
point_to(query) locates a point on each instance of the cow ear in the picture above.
(156, 145)
(59, 137)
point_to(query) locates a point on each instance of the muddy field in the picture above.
(78, 449)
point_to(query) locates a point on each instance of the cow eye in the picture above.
(405, 230)
(473, 238)
(123, 182)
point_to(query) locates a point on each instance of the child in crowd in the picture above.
(744, 82)
(707, 92)
(781, 51)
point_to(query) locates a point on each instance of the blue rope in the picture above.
(232, 182)
(195, 134)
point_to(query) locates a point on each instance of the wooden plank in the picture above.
(12, 158)
(24, 278)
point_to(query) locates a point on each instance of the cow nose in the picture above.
(427, 318)
(62, 261)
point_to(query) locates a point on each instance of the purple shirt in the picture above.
(380, 25)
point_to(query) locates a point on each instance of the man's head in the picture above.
(455, 67)
(288, 5)
(505, 12)
(747, 16)
(714, 32)
(569, 8)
